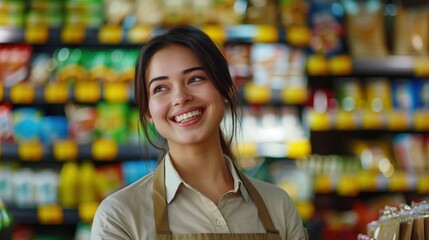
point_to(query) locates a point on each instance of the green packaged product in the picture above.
(112, 121)
(69, 65)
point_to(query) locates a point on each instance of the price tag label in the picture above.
(421, 66)
(317, 65)
(140, 33)
(50, 214)
(266, 33)
(340, 65)
(367, 181)
(372, 120)
(323, 184)
(421, 122)
(347, 185)
(298, 149)
(110, 34)
(346, 120)
(87, 211)
(216, 33)
(397, 120)
(423, 184)
(398, 182)
(87, 92)
(22, 93)
(305, 209)
(30, 151)
(318, 121)
(65, 150)
(258, 94)
(292, 95)
(116, 92)
(298, 36)
(104, 150)
(73, 34)
(36, 34)
(56, 93)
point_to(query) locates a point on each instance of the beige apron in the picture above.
(161, 215)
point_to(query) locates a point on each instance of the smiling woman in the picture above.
(182, 86)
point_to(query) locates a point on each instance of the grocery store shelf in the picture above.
(390, 120)
(346, 66)
(108, 150)
(138, 34)
(30, 215)
(69, 150)
(93, 92)
(351, 184)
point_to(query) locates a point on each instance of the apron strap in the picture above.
(159, 201)
(259, 202)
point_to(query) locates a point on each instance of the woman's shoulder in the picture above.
(138, 190)
(269, 191)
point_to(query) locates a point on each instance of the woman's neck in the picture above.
(204, 168)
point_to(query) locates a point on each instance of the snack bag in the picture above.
(112, 121)
(149, 12)
(349, 92)
(411, 31)
(26, 123)
(14, 63)
(99, 64)
(326, 19)
(365, 28)
(69, 64)
(238, 56)
(6, 122)
(262, 12)
(378, 94)
(82, 122)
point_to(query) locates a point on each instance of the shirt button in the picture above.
(220, 222)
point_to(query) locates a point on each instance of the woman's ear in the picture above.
(149, 117)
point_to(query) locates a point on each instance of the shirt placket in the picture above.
(214, 214)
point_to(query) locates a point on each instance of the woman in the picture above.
(183, 87)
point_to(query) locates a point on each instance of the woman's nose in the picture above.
(182, 97)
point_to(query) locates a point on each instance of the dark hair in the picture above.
(213, 62)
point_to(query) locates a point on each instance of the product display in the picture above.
(335, 97)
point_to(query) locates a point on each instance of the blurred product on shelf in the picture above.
(71, 186)
(6, 220)
(262, 12)
(326, 20)
(14, 63)
(412, 152)
(365, 28)
(411, 32)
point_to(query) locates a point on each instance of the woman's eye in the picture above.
(158, 89)
(195, 79)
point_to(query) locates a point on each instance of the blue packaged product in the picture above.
(404, 94)
(26, 124)
(422, 90)
(53, 128)
(326, 20)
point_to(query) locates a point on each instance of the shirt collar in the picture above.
(173, 179)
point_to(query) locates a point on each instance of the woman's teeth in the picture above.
(187, 116)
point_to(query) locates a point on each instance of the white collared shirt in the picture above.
(128, 213)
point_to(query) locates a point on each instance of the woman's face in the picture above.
(184, 105)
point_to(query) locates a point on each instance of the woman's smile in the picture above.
(189, 116)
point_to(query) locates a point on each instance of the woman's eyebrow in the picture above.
(160, 78)
(192, 69)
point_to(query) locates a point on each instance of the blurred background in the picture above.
(335, 96)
